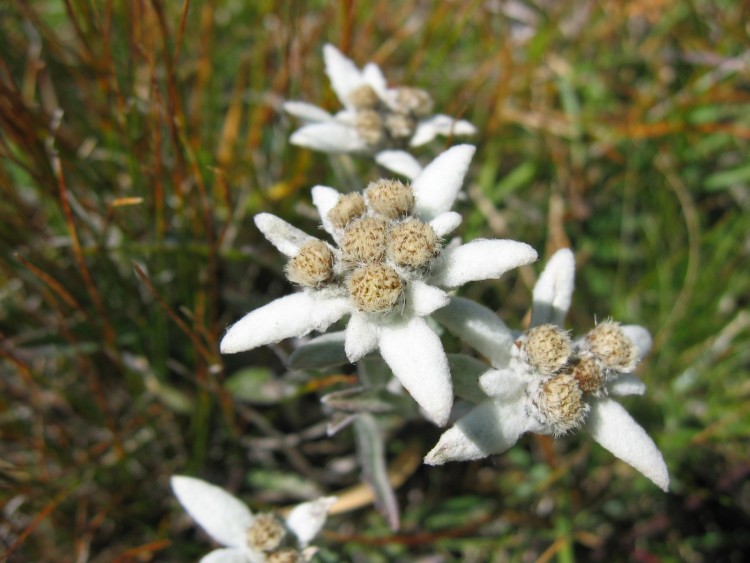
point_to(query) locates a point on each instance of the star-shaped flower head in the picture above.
(374, 117)
(386, 267)
(248, 537)
(545, 382)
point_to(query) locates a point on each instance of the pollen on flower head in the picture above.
(412, 244)
(364, 240)
(586, 371)
(414, 100)
(369, 126)
(364, 97)
(286, 555)
(548, 348)
(265, 533)
(608, 342)
(347, 208)
(375, 288)
(399, 125)
(312, 266)
(561, 402)
(391, 198)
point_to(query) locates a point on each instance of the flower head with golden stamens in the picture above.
(375, 117)
(248, 537)
(387, 269)
(546, 383)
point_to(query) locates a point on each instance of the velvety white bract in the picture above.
(338, 133)
(495, 424)
(227, 519)
(409, 346)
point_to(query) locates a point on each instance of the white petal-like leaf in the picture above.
(307, 112)
(554, 289)
(479, 327)
(489, 428)
(325, 199)
(306, 520)
(503, 384)
(423, 299)
(329, 136)
(286, 317)
(361, 337)
(286, 238)
(640, 337)
(400, 162)
(232, 555)
(445, 223)
(611, 425)
(374, 77)
(428, 129)
(465, 372)
(436, 188)
(416, 356)
(342, 72)
(626, 384)
(480, 260)
(223, 517)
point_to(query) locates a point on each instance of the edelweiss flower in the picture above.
(546, 383)
(248, 537)
(375, 117)
(387, 269)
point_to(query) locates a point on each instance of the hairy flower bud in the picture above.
(412, 244)
(265, 533)
(399, 125)
(364, 240)
(369, 126)
(548, 348)
(561, 402)
(391, 198)
(347, 208)
(312, 266)
(375, 288)
(586, 371)
(286, 555)
(364, 97)
(414, 100)
(608, 342)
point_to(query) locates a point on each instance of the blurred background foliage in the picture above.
(137, 140)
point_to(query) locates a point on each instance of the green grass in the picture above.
(138, 139)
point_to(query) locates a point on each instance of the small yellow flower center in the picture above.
(587, 373)
(561, 402)
(548, 348)
(364, 240)
(400, 126)
(347, 208)
(375, 288)
(265, 533)
(286, 555)
(369, 126)
(608, 342)
(312, 266)
(414, 100)
(390, 198)
(364, 97)
(413, 244)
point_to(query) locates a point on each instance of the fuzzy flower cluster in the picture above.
(545, 382)
(387, 269)
(375, 117)
(248, 537)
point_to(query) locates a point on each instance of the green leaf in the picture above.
(371, 454)
(321, 352)
(259, 386)
(465, 372)
(369, 400)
